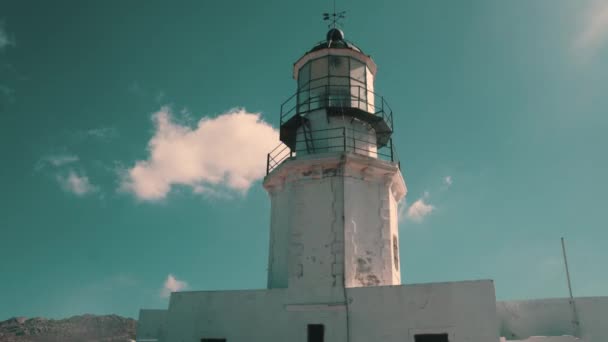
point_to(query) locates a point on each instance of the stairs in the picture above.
(310, 148)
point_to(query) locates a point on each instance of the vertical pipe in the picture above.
(344, 137)
(575, 321)
(352, 131)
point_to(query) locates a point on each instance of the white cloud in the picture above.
(172, 284)
(229, 151)
(76, 184)
(595, 28)
(5, 39)
(419, 210)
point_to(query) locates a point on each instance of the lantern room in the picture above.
(335, 108)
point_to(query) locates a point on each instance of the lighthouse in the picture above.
(334, 182)
(334, 273)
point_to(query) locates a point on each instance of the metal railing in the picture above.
(340, 139)
(336, 96)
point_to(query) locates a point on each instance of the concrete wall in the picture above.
(464, 310)
(553, 317)
(545, 339)
(248, 316)
(152, 325)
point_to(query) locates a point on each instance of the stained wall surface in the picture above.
(554, 317)
(466, 311)
(334, 225)
(248, 316)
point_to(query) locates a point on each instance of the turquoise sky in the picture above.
(506, 98)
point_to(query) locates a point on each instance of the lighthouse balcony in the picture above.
(354, 101)
(331, 141)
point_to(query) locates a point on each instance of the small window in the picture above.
(431, 338)
(316, 332)
(213, 340)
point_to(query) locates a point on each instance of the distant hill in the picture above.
(85, 328)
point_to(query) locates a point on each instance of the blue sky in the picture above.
(113, 187)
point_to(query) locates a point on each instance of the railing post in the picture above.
(392, 158)
(267, 163)
(358, 97)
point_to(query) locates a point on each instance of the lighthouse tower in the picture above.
(334, 182)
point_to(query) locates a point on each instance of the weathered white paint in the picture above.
(464, 310)
(337, 221)
(553, 317)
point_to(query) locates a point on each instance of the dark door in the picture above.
(316, 332)
(431, 338)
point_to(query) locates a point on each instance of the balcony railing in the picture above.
(341, 139)
(336, 96)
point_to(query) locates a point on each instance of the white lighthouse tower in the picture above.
(334, 183)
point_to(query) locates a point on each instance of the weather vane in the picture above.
(334, 18)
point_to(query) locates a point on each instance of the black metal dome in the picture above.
(335, 40)
(335, 35)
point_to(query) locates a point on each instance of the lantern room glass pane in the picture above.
(357, 70)
(304, 75)
(303, 100)
(339, 91)
(318, 68)
(370, 90)
(338, 66)
(358, 95)
(303, 88)
(318, 93)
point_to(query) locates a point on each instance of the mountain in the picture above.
(85, 328)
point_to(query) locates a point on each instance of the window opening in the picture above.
(316, 332)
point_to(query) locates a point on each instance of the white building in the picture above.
(333, 266)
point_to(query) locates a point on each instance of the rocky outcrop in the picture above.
(86, 328)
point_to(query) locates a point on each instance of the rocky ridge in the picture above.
(85, 328)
